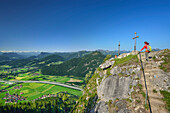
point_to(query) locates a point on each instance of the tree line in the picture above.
(62, 103)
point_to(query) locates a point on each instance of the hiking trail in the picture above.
(151, 69)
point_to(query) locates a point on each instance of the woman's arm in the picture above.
(143, 47)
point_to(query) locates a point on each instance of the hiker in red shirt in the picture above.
(147, 49)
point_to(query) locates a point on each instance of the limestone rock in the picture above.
(114, 87)
(122, 108)
(115, 70)
(162, 80)
(107, 64)
(100, 107)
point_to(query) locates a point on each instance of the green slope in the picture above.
(76, 66)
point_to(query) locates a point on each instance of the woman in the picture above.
(147, 49)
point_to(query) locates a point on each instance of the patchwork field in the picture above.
(26, 73)
(40, 77)
(35, 90)
(3, 85)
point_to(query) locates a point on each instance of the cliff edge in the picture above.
(117, 86)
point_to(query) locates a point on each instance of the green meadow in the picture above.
(35, 90)
(40, 77)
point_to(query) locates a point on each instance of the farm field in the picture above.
(3, 85)
(35, 90)
(40, 77)
(26, 73)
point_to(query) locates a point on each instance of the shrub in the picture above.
(99, 69)
(107, 57)
(143, 93)
(138, 101)
(108, 72)
(140, 86)
(154, 91)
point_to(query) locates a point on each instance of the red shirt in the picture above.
(145, 47)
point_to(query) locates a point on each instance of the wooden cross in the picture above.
(135, 41)
(119, 49)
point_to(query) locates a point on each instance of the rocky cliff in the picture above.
(117, 85)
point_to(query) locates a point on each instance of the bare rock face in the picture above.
(119, 85)
(122, 108)
(114, 87)
(103, 107)
(100, 107)
(161, 80)
(115, 70)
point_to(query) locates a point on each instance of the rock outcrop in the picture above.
(119, 88)
(119, 85)
(107, 64)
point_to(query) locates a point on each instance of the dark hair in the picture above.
(146, 42)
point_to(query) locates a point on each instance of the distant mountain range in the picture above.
(34, 61)
(34, 58)
(59, 63)
(107, 52)
(41, 59)
(11, 56)
(157, 49)
(63, 54)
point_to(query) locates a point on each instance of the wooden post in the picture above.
(135, 41)
(119, 49)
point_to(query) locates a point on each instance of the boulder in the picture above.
(107, 64)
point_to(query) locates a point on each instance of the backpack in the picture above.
(149, 48)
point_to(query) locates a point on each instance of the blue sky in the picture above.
(74, 25)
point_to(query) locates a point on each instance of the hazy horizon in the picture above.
(58, 51)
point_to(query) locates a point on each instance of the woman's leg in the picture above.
(146, 54)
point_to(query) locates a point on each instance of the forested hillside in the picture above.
(33, 61)
(4, 58)
(76, 66)
(61, 102)
(13, 55)
(71, 55)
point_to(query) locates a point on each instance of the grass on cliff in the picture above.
(88, 100)
(107, 57)
(166, 98)
(129, 60)
(166, 65)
